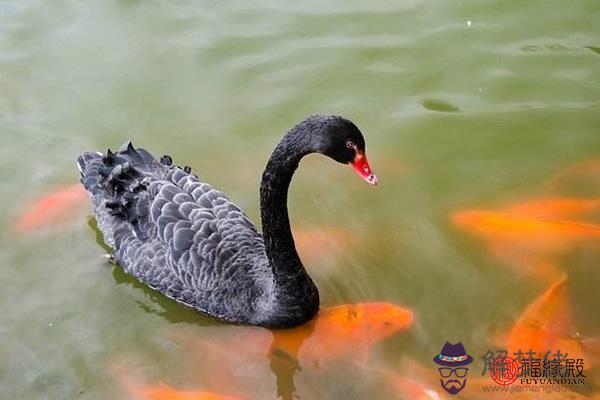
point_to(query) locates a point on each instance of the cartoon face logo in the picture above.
(453, 373)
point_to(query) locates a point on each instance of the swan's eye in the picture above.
(350, 144)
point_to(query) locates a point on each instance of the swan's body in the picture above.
(187, 240)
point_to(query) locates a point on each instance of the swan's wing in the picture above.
(212, 245)
(188, 240)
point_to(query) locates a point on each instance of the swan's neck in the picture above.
(296, 298)
(277, 233)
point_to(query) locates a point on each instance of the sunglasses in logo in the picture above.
(459, 372)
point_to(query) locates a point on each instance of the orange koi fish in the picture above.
(526, 230)
(545, 326)
(526, 242)
(342, 331)
(51, 209)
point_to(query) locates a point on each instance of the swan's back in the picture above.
(178, 235)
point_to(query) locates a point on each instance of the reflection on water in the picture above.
(481, 121)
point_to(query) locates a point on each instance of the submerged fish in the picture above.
(160, 391)
(524, 230)
(546, 325)
(528, 243)
(51, 209)
(346, 330)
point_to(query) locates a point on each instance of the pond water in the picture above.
(465, 105)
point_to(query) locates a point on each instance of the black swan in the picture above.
(186, 239)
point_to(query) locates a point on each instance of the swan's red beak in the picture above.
(361, 166)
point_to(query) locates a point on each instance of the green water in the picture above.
(464, 104)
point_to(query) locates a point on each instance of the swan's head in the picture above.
(339, 139)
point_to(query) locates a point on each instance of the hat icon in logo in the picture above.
(453, 359)
(453, 355)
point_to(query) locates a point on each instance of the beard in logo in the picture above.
(453, 386)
